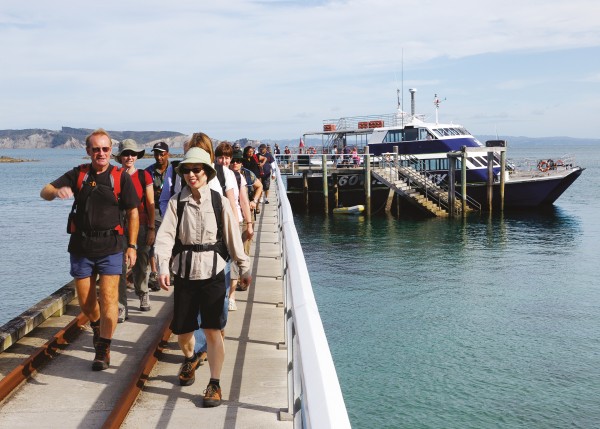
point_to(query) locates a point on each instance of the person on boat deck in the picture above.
(127, 155)
(355, 157)
(102, 191)
(172, 186)
(195, 240)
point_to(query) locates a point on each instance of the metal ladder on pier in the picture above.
(417, 189)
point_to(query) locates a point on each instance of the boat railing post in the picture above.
(367, 162)
(325, 184)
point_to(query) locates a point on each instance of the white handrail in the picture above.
(315, 396)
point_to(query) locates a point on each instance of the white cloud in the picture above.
(275, 67)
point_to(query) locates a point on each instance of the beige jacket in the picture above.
(199, 226)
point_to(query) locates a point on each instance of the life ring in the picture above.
(543, 166)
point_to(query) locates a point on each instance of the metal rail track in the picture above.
(61, 340)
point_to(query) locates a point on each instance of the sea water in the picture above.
(488, 322)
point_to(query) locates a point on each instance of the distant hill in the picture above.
(69, 138)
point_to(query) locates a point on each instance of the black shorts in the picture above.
(266, 181)
(193, 296)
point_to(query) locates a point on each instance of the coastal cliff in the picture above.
(74, 138)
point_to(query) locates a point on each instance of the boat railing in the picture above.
(351, 123)
(546, 165)
(314, 395)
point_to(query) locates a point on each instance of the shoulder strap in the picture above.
(217, 204)
(84, 170)
(115, 179)
(221, 176)
(238, 178)
(174, 164)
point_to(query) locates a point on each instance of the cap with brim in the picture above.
(129, 144)
(237, 154)
(161, 147)
(198, 156)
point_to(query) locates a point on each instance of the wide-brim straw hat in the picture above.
(197, 155)
(129, 144)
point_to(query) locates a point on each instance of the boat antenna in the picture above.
(436, 103)
(402, 86)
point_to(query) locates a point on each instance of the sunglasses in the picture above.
(103, 149)
(195, 170)
(128, 153)
(236, 161)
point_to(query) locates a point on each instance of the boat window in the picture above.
(453, 131)
(475, 162)
(411, 134)
(437, 132)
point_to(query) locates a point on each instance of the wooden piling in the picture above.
(451, 185)
(367, 162)
(463, 180)
(305, 188)
(325, 184)
(490, 179)
(502, 180)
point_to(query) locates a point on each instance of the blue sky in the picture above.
(274, 69)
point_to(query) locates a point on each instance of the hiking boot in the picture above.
(153, 282)
(203, 357)
(122, 314)
(187, 372)
(95, 332)
(102, 358)
(145, 302)
(212, 396)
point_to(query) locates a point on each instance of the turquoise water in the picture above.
(489, 322)
(492, 322)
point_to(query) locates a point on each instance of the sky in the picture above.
(274, 69)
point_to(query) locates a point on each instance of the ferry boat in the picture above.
(427, 145)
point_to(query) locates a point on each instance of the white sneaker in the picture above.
(232, 305)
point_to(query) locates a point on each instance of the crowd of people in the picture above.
(186, 224)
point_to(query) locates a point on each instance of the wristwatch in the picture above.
(132, 246)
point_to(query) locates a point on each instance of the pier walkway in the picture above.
(66, 393)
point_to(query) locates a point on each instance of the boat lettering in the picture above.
(353, 180)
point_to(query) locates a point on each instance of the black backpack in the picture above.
(218, 247)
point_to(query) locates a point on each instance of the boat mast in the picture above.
(436, 103)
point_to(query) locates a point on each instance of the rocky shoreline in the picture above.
(8, 159)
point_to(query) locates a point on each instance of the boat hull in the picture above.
(525, 193)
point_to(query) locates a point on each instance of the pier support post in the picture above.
(452, 185)
(395, 168)
(490, 179)
(463, 180)
(336, 191)
(325, 184)
(502, 172)
(367, 161)
(305, 188)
